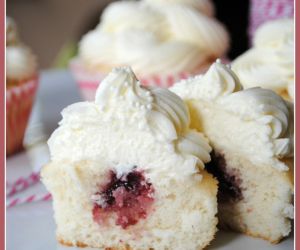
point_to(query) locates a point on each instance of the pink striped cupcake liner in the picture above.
(19, 101)
(262, 11)
(88, 81)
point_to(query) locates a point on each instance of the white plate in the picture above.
(31, 226)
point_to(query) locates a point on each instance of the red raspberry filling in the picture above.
(129, 197)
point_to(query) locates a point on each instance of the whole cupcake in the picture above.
(21, 85)
(270, 63)
(162, 40)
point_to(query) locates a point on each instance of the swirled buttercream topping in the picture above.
(155, 37)
(125, 118)
(204, 6)
(262, 116)
(20, 61)
(270, 63)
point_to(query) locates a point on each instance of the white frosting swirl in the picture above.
(155, 37)
(126, 119)
(204, 6)
(265, 117)
(270, 63)
(20, 61)
(219, 81)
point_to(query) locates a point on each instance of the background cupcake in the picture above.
(262, 11)
(162, 40)
(270, 63)
(21, 85)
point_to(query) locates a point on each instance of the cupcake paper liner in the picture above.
(19, 101)
(88, 81)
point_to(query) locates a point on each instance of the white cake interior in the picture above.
(183, 215)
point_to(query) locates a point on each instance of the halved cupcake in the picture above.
(126, 172)
(251, 132)
(163, 41)
(21, 86)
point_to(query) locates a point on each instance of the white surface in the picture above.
(31, 226)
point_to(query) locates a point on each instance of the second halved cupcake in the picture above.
(163, 41)
(126, 171)
(251, 132)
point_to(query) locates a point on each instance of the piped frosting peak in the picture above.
(158, 109)
(218, 81)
